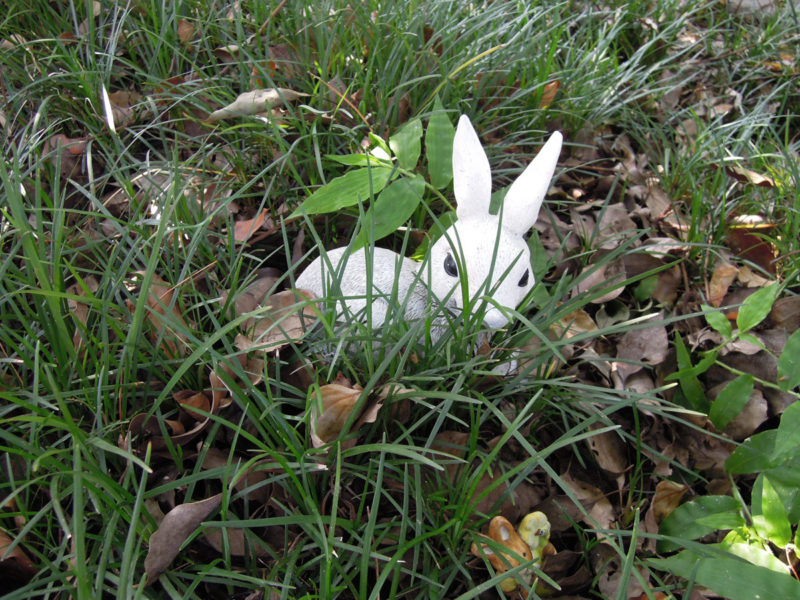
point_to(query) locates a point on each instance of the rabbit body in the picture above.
(482, 260)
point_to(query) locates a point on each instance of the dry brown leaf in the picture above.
(637, 346)
(610, 452)
(185, 32)
(253, 368)
(603, 276)
(601, 512)
(123, 106)
(667, 498)
(66, 153)
(189, 399)
(160, 299)
(243, 230)
(79, 309)
(743, 175)
(237, 545)
(336, 404)
(16, 569)
(286, 318)
(721, 279)
(549, 93)
(176, 526)
(254, 102)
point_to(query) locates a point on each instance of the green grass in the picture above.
(389, 516)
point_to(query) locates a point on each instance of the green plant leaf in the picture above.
(391, 209)
(770, 518)
(718, 321)
(731, 400)
(684, 521)
(407, 144)
(754, 455)
(731, 578)
(755, 554)
(756, 307)
(690, 386)
(788, 438)
(789, 363)
(439, 147)
(358, 160)
(346, 190)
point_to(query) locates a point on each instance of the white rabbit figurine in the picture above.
(487, 252)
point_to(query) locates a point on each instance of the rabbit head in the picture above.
(489, 252)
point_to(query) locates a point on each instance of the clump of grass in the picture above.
(390, 516)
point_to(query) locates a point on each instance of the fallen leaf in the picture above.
(667, 498)
(549, 93)
(251, 103)
(185, 32)
(721, 279)
(170, 328)
(237, 542)
(176, 526)
(284, 318)
(743, 175)
(336, 404)
(65, 153)
(80, 309)
(16, 569)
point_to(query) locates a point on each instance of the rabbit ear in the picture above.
(472, 178)
(524, 199)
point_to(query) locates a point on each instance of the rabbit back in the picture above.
(378, 279)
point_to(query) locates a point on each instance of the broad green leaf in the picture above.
(690, 385)
(754, 455)
(756, 555)
(347, 190)
(439, 147)
(718, 321)
(789, 363)
(391, 209)
(358, 160)
(731, 578)
(684, 523)
(703, 365)
(786, 481)
(756, 307)
(731, 401)
(769, 514)
(788, 438)
(407, 144)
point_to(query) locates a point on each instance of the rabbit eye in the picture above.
(450, 266)
(524, 279)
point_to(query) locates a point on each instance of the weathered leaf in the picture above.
(721, 279)
(177, 525)
(789, 363)
(439, 146)
(346, 190)
(407, 144)
(336, 403)
(393, 207)
(254, 102)
(756, 307)
(160, 300)
(284, 318)
(731, 400)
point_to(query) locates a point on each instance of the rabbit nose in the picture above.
(494, 318)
